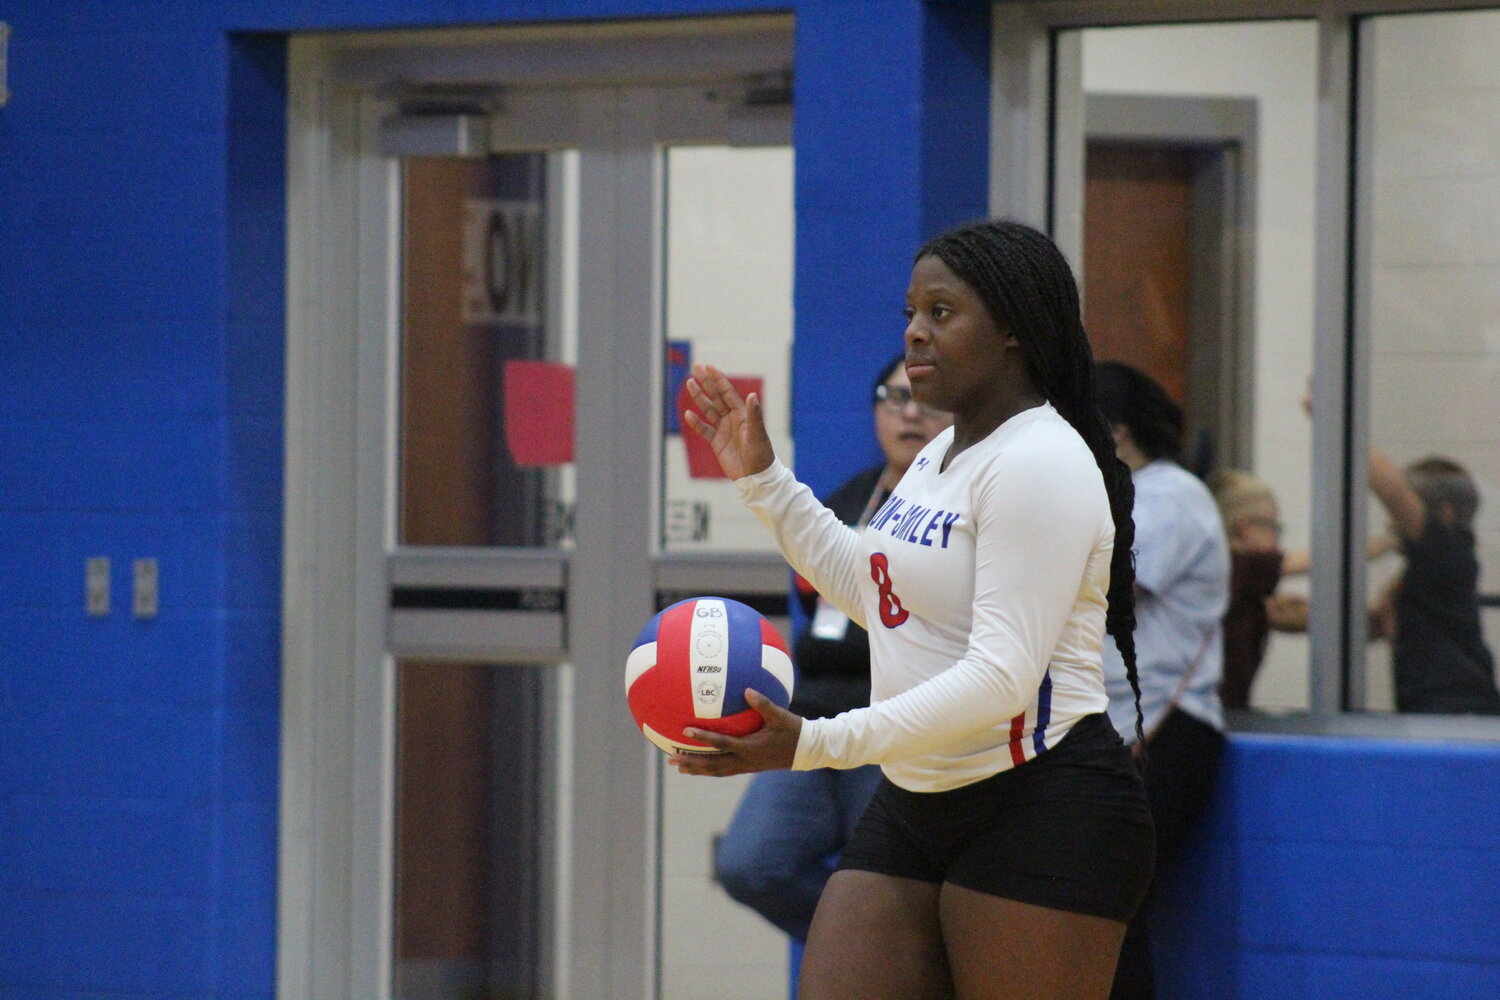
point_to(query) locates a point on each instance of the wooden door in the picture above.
(1157, 283)
(1137, 201)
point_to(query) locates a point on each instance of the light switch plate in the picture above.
(145, 593)
(4, 64)
(96, 586)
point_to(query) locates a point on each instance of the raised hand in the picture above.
(732, 425)
(769, 748)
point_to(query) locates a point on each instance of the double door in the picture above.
(505, 279)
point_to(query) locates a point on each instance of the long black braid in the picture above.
(1029, 289)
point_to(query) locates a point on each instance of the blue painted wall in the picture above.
(141, 342)
(1340, 869)
(142, 197)
(891, 131)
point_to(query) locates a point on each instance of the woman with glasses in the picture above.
(789, 825)
(1009, 841)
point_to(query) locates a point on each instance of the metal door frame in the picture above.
(625, 90)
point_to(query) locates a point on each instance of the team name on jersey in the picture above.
(914, 523)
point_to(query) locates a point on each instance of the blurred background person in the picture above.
(1257, 563)
(1430, 612)
(1182, 592)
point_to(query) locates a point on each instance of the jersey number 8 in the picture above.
(891, 611)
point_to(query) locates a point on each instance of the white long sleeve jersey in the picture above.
(983, 587)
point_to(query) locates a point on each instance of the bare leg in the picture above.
(999, 948)
(875, 937)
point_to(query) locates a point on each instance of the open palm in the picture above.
(734, 427)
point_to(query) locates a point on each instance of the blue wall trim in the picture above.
(1341, 868)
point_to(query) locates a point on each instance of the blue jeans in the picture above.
(776, 855)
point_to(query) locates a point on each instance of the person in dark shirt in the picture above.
(1257, 565)
(1439, 656)
(774, 858)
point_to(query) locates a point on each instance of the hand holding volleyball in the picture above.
(707, 682)
(771, 747)
(733, 426)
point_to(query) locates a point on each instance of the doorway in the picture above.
(1167, 258)
(492, 285)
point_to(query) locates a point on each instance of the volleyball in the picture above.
(692, 664)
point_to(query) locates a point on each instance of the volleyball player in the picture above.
(1009, 841)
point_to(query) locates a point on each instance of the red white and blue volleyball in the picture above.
(692, 664)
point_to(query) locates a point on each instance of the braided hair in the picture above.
(1029, 290)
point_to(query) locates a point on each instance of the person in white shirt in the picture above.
(1182, 591)
(1009, 842)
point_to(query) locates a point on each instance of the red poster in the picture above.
(539, 413)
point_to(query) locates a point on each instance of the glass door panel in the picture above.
(728, 291)
(486, 405)
(485, 451)
(473, 746)
(728, 302)
(1428, 270)
(1195, 200)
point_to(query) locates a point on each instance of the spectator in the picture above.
(1182, 592)
(1439, 656)
(1252, 523)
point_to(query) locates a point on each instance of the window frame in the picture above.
(1033, 106)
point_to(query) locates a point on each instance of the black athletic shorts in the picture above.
(1069, 829)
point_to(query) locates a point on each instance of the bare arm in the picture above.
(1287, 612)
(1406, 509)
(1296, 562)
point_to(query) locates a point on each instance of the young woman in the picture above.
(1009, 841)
